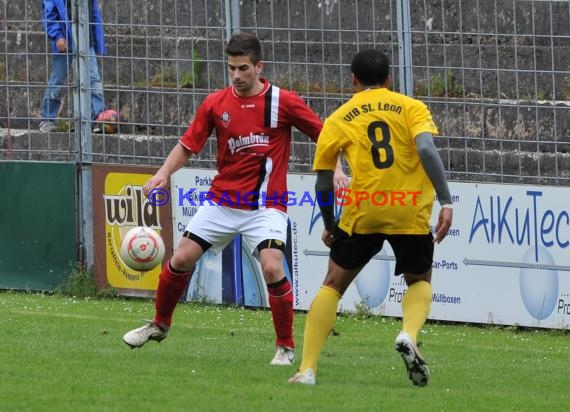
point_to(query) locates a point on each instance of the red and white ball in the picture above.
(142, 249)
(109, 121)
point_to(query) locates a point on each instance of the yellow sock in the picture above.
(416, 305)
(320, 321)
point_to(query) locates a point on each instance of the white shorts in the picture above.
(218, 225)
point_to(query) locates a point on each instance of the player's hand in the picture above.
(340, 180)
(327, 238)
(61, 45)
(443, 224)
(156, 181)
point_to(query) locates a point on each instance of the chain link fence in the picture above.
(495, 73)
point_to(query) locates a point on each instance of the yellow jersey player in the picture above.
(387, 140)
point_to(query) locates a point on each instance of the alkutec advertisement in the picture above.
(505, 259)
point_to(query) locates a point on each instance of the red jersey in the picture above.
(254, 140)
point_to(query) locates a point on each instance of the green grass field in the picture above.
(64, 354)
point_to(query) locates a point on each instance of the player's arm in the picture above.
(433, 167)
(327, 155)
(52, 21)
(301, 116)
(175, 160)
(324, 188)
(340, 179)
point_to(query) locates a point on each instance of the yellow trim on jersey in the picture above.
(390, 191)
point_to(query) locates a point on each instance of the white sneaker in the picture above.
(136, 338)
(47, 126)
(283, 357)
(416, 366)
(306, 378)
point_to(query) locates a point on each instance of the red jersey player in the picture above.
(252, 120)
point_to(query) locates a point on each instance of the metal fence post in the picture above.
(405, 47)
(232, 17)
(84, 157)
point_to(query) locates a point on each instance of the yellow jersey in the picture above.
(390, 192)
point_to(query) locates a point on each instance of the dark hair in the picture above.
(371, 67)
(245, 44)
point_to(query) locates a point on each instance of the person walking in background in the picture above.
(56, 21)
(387, 140)
(252, 120)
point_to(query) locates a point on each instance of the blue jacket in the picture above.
(56, 24)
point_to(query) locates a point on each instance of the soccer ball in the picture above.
(109, 120)
(142, 249)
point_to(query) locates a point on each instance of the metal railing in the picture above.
(495, 73)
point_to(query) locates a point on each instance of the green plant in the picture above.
(165, 77)
(438, 86)
(454, 89)
(362, 310)
(444, 85)
(63, 126)
(192, 78)
(80, 283)
(421, 87)
(139, 78)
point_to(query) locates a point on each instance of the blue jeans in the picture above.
(51, 102)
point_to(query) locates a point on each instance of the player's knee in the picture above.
(272, 271)
(180, 265)
(412, 278)
(184, 259)
(336, 283)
